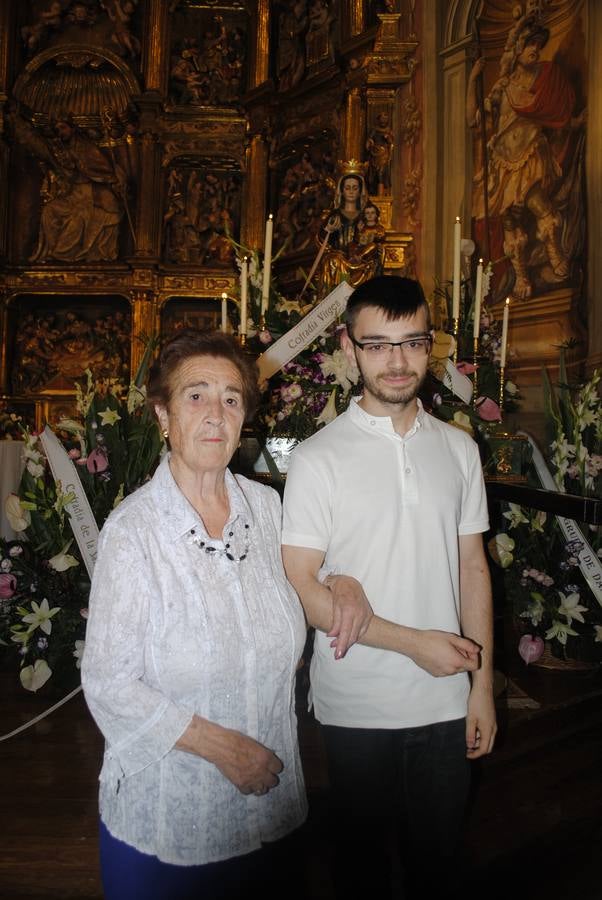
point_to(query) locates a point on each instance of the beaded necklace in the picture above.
(227, 549)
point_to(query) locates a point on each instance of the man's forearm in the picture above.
(437, 652)
(476, 617)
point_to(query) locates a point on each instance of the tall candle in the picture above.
(267, 264)
(478, 294)
(224, 312)
(505, 333)
(244, 277)
(456, 281)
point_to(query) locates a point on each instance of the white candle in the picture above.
(505, 333)
(224, 312)
(267, 264)
(456, 281)
(478, 294)
(244, 277)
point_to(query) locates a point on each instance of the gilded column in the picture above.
(154, 57)
(145, 322)
(3, 342)
(355, 125)
(261, 50)
(253, 224)
(6, 33)
(148, 219)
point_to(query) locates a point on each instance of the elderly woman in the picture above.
(194, 636)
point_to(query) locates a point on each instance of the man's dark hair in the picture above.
(398, 298)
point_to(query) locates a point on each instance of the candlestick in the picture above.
(456, 333)
(224, 312)
(475, 362)
(244, 277)
(505, 333)
(267, 264)
(456, 281)
(501, 398)
(478, 294)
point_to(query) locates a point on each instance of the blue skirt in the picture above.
(128, 874)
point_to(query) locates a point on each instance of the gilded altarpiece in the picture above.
(140, 138)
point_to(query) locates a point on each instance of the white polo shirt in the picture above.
(387, 510)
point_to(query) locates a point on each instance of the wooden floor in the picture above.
(535, 828)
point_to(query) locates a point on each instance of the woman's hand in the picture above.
(250, 766)
(351, 612)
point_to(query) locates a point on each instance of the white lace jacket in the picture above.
(175, 629)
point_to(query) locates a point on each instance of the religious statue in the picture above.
(351, 241)
(317, 40)
(120, 12)
(210, 73)
(82, 194)
(292, 25)
(531, 161)
(380, 151)
(200, 218)
(53, 349)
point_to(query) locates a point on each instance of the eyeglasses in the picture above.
(416, 346)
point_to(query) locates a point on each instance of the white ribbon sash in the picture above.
(83, 523)
(590, 565)
(304, 332)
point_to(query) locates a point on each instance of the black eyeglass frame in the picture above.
(418, 337)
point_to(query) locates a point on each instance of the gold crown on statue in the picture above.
(351, 167)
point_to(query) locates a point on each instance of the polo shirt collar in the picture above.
(383, 424)
(179, 516)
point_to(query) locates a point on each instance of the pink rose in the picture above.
(74, 453)
(8, 585)
(97, 461)
(265, 337)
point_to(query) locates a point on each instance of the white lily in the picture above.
(41, 616)
(560, 631)
(516, 516)
(338, 365)
(571, 608)
(109, 416)
(19, 518)
(34, 677)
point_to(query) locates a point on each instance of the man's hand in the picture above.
(351, 612)
(481, 726)
(443, 653)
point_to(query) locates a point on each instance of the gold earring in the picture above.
(165, 433)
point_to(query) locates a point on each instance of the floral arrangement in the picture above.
(551, 599)
(44, 586)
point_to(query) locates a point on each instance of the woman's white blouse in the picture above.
(176, 629)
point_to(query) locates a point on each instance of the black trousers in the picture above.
(397, 793)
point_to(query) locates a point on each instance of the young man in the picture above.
(389, 503)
